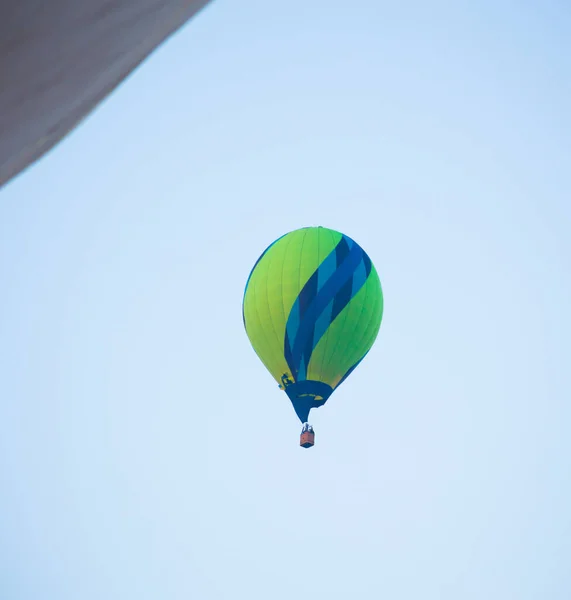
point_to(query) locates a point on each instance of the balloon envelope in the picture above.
(312, 310)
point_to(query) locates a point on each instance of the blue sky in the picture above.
(144, 450)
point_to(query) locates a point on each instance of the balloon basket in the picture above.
(307, 439)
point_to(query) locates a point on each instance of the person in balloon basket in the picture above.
(307, 438)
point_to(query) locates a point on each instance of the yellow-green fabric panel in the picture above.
(262, 313)
(273, 287)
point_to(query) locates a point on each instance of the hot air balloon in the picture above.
(312, 310)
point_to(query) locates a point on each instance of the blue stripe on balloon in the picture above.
(326, 269)
(342, 298)
(323, 298)
(293, 321)
(301, 372)
(315, 282)
(322, 323)
(292, 326)
(367, 262)
(359, 278)
(327, 292)
(342, 250)
(308, 293)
